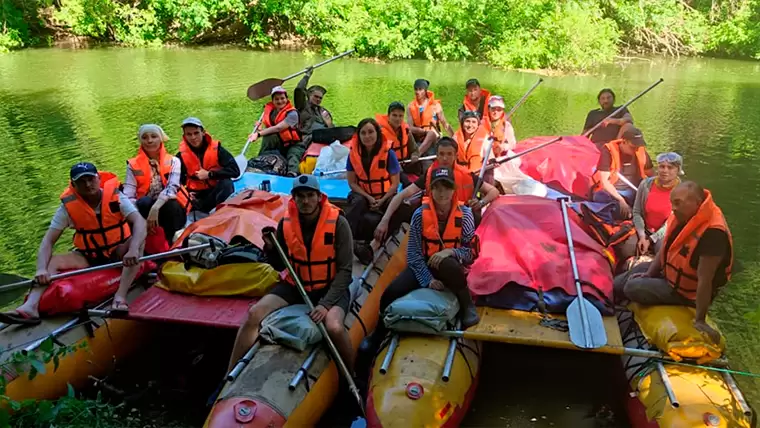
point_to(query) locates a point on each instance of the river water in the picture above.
(58, 107)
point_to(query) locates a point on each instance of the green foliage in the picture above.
(567, 34)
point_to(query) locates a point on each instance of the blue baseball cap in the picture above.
(82, 169)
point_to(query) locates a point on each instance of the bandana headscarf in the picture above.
(150, 127)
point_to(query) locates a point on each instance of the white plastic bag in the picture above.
(332, 158)
(509, 174)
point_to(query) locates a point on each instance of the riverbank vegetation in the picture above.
(560, 34)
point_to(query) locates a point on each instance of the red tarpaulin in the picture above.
(523, 246)
(567, 164)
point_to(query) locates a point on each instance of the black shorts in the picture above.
(289, 294)
(98, 260)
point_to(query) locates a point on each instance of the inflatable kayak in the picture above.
(280, 384)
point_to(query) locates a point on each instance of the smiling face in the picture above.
(470, 125)
(280, 100)
(193, 135)
(368, 136)
(150, 143)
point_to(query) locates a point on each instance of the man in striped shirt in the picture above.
(441, 244)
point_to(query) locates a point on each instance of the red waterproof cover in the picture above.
(523, 246)
(76, 292)
(568, 164)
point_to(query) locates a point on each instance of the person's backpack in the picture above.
(268, 163)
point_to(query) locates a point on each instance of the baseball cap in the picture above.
(278, 90)
(396, 105)
(192, 121)
(82, 169)
(496, 101)
(471, 82)
(305, 181)
(316, 88)
(421, 84)
(635, 137)
(443, 174)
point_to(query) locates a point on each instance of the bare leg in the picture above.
(128, 274)
(430, 138)
(249, 330)
(339, 335)
(58, 262)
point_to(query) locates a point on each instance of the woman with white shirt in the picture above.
(152, 183)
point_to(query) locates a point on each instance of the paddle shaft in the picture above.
(171, 253)
(501, 160)
(333, 349)
(255, 128)
(522, 100)
(578, 289)
(627, 182)
(482, 168)
(327, 61)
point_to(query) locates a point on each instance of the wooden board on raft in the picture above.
(524, 328)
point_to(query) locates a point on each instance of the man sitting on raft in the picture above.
(425, 116)
(694, 263)
(475, 99)
(207, 168)
(611, 129)
(107, 227)
(446, 155)
(308, 102)
(402, 141)
(317, 239)
(280, 131)
(627, 156)
(440, 246)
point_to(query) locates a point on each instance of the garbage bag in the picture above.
(422, 311)
(292, 327)
(332, 158)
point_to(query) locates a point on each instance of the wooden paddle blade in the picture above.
(585, 331)
(263, 88)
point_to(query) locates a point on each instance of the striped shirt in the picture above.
(416, 259)
(172, 183)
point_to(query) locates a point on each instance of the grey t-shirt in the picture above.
(62, 220)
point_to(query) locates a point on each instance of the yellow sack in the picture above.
(235, 279)
(700, 393)
(307, 165)
(670, 328)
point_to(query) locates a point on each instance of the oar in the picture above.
(241, 160)
(627, 182)
(583, 318)
(179, 251)
(264, 88)
(500, 160)
(483, 166)
(522, 100)
(333, 350)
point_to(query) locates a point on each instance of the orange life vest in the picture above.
(676, 259)
(615, 165)
(193, 164)
(313, 261)
(605, 233)
(97, 235)
(432, 241)
(288, 135)
(482, 108)
(400, 147)
(378, 181)
(469, 154)
(462, 179)
(427, 119)
(496, 129)
(143, 173)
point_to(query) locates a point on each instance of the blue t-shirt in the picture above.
(392, 166)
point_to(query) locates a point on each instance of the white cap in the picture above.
(278, 90)
(194, 121)
(496, 101)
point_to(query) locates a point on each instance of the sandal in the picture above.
(119, 305)
(18, 317)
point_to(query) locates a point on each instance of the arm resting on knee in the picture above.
(706, 269)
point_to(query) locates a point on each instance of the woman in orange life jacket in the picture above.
(693, 264)
(280, 131)
(499, 128)
(441, 243)
(652, 205)
(400, 211)
(152, 183)
(107, 228)
(626, 156)
(207, 168)
(399, 134)
(317, 239)
(471, 139)
(476, 99)
(373, 175)
(425, 116)
(612, 129)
